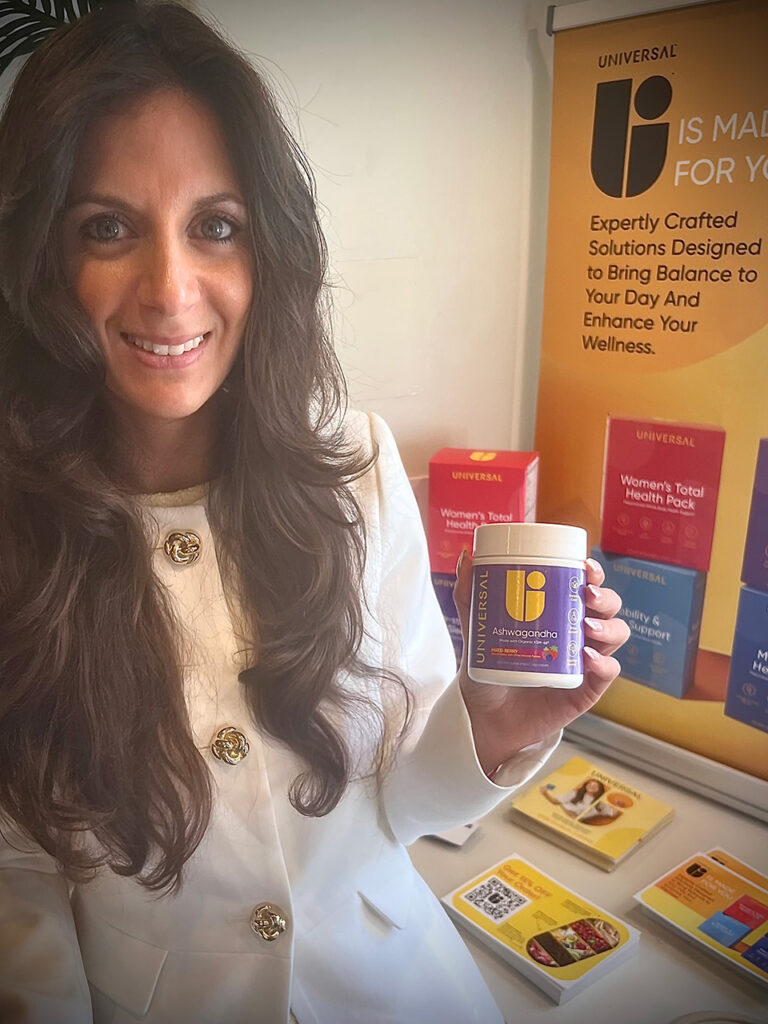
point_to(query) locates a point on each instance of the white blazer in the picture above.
(365, 940)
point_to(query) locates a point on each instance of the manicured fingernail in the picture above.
(460, 561)
(593, 565)
(592, 654)
(594, 625)
(594, 591)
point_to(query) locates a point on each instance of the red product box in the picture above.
(660, 484)
(748, 911)
(468, 488)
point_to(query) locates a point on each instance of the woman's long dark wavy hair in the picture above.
(581, 792)
(94, 733)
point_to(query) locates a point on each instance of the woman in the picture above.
(225, 697)
(575, 801)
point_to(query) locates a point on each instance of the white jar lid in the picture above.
(530, 540)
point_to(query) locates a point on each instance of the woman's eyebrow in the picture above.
(98, 199)
(117, 202)
(216, 198)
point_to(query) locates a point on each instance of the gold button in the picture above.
(230, 745)
(183, 548)
(268, 921)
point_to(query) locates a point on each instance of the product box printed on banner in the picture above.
(754, 571)
(660, 485)
(468, 488)
(747, 695)
(662, 606)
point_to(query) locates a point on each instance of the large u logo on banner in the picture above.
(525, 596)
(648, 142)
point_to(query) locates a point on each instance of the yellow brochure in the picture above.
(584, 809)
(721, 911)
(739, 867)
(554, 937)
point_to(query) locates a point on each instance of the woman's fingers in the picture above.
(595, 574)
(602, 630)
(605, 635)
(601, 602)
(601, 669)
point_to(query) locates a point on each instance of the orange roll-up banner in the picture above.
(656, 301)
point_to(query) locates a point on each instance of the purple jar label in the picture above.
(527, 618)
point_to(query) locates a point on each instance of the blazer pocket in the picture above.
(121, 966)
(389, 891)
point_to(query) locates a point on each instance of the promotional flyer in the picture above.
(656, 312)
(555, 937)
(718, 908)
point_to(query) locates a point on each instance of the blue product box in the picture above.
(443, 583)
(662, 606)
(758, 954)
(747, 695)
(723, 929)
(754, 570)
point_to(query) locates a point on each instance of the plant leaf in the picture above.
(25, 23)
(30, 9)
(28, 43)
(19, 30)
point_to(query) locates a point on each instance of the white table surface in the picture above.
(667, 977)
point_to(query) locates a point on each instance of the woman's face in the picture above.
(155, 245)
(592, 787)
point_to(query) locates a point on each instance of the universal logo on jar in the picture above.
(525, 595)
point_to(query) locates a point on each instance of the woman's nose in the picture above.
(169, 281)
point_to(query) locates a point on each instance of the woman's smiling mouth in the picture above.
(164, 353)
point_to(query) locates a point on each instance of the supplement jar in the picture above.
(526, 624)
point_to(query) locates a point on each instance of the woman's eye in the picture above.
(104, 229)
(217, 229)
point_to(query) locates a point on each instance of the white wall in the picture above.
(427, 125)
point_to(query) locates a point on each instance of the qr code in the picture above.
(495, 899)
